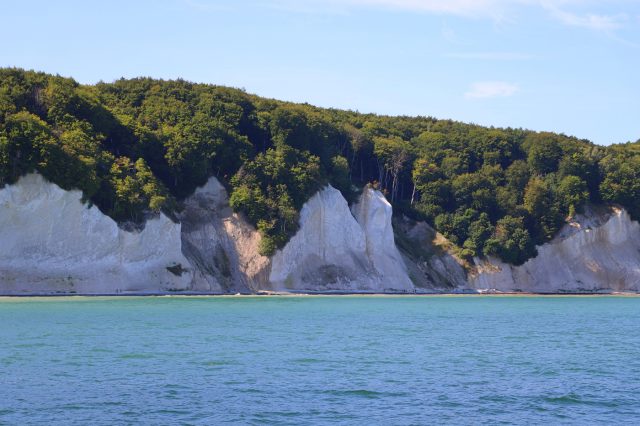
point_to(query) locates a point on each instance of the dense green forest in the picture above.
(137, 147)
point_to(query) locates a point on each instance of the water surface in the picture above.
(320, 360)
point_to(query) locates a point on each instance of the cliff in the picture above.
(50, 242)
(53, 243)
(222, 248)
(598, 251)
(432, 266)
(335, 250)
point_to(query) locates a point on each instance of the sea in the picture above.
(315, 360)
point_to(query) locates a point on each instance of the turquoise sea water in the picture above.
(320, 360)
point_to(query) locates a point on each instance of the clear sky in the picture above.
(571, 66)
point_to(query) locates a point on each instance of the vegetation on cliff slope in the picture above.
(139, 146)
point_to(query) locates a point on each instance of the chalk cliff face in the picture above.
(431, 267)
(335, 251)
(220, 245)
(597, 252)
(50, 242)
(374, 213)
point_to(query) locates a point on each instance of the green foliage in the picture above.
(136, 147)
(137, 190)
(27, 143)
(455, 226)
(272, 188)
(510, 241)
(544, 152)
(339, 175)
(621, 183)
(539, 201)
(573, 194)
(392, 154)
(480, 231)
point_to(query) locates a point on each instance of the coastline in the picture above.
(314, 294)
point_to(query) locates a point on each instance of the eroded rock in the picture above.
(335, 251)
(597, 252)
(50, 242)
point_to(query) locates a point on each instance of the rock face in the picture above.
(335, 251)
(598, 252)
(374, 214)
(220, 245)
(50, 242)
(431, 266)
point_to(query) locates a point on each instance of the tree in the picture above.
(480, 231)
(510, 241)
(135, 146)
(573, 193)
(424, 174)
(544, 152)
(517, 176)
(137, 190)
(339, 174)
(435, 198)
(361, 150)
(272, 188)
(393, 154)
(4, 160)
(453, 166)
(582, 164)
(539, 202)
(621, 183)
(28, 140)
(455, 226)
(472, 189)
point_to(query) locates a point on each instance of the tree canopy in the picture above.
(139, 146)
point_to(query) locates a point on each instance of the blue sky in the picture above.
(571, 66)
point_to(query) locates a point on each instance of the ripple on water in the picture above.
(136, 356)
(218, 363)
(324, 360)
(576, 399)
(309, 361)
(363, 393)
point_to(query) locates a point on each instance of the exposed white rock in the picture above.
(221, 245)
(595, 253)
(332, 251)
(245, 239)
(50, 242)
(374, 213)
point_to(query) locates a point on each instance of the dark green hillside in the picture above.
(136, 147)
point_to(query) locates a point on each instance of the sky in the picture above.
(569, 66)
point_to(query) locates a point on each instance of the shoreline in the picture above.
(312, 294)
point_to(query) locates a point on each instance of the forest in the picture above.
(136, 147)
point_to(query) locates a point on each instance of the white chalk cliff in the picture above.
(50, 242)
(374, 214)
(220, 245)
(597, 252)
(335, 251)
(53, 243)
